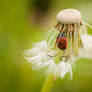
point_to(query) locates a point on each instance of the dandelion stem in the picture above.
(48, 84)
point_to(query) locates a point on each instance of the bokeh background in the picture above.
(23, 22)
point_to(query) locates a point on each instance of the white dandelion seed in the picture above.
(62, 45)
(87, 43)
(38, 55)
(60, 69)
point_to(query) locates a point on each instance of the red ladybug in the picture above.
(61, 41)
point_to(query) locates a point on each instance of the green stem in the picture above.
(47, 84)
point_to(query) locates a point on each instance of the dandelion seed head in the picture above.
(77, 43)
(69, 16)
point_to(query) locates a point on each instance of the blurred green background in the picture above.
(23, 22)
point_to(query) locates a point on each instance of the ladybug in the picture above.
(61, 41)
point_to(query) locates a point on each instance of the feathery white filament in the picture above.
(84, 29)
(47, 35)
(87, 24)
(87, 43)
(52, 37)
(60, 69)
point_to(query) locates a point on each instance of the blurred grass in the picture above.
(17, 34)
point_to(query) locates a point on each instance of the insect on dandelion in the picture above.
(62, 45)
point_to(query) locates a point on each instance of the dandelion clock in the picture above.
(61, 47)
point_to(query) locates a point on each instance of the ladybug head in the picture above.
(61, 35)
